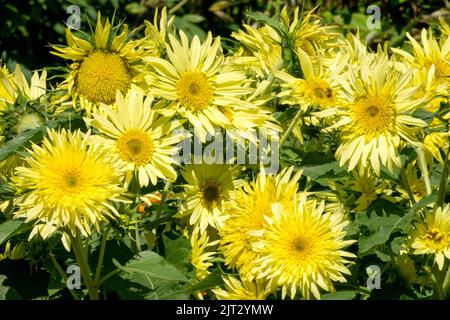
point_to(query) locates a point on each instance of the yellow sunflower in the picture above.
(101, 65)
(194, 83)
(432, 235)
(245, 217)
(376, 115)
(236, 289)
(70, 185)
(430, 54)
(318, 87)
(141, 140)
(308, 34)
(208, 188)
(303, 249)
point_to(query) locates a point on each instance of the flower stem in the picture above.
(290, 128)
(424, 168)
(442, 185)
(82, 260)
(101, 256)
(63, 275)
(446, 284)
(407, 186)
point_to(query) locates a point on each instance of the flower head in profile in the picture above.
(142, 140)
(100, 65)
(195, 84)
(203, 250)
(70, 185)
(432, 235)
(208, 188)
(302, 249)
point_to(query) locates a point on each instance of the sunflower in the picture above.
(141, 140)
(201, 252)
(431, 54)
(70, 185)
(307, 33)
(263, 44)
(236, 289)
(208, 188)
(376, 115)
(302, 249)
(105, 63)
(194, 83)
(318, 87)
(432, 235)
(245, 216)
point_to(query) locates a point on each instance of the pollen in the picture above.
(319, 93)
(194, 91)
(436, 239)
(210, 194)
(135, 146)
(373, 115)
(100, 75)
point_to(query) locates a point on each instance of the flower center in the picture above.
(71, 181)
(373, 115)
(100, 75)
(442, 69)
(135, 146)
(194, 91)
(436, 239)
(301, 247)
(210, 194)
(319, 93)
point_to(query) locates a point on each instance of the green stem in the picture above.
(109, 275)
(290, 128)
(442, 185)
(407, 186)
(82, 260)
(437, 279)
(101, 256)
(424, 168)
(163, 199)
(63, 275)
(446, 284)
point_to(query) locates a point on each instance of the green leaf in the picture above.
(214, 279)
(378, 223)
(7, 293)
(194, 18)
(153, 265)
(340, 295)
(178, 252)
(7, 228)
(141, 286)
(261, 17)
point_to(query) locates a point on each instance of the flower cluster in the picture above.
(363, 155)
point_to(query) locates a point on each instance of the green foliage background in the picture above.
(28, 27)
(26, 30)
